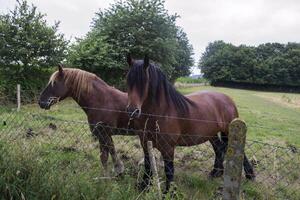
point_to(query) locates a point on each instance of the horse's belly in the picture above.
(189, 140)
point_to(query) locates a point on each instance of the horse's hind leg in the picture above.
(249, 172)
(219, 146)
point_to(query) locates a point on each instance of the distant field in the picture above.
(191, 80)
(271, 117)
(63, 162)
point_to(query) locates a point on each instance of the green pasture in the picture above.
(51, 154)
(270, 117)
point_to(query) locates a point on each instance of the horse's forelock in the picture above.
(52, 78)
(137, 78)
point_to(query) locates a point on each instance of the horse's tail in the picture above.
(236, 111)
(231, 113)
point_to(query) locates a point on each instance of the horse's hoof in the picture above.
(215, 173)
(143, 186)
(119, 168)
(250, 177)
(119, 176)
(171, 192)
(169, 195)
(106, 173)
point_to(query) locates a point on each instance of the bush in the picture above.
(28, 47)
(31, 85)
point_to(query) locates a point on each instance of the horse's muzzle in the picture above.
(47, 104)
(44, 105)
(133, 112)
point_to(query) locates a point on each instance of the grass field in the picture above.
(61, 161)
(271, 117)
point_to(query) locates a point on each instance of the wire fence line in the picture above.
(39, 116)
(34, 99)
(276, 167)
(28, 97)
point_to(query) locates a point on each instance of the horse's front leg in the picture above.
(107, 146)
(148, 172)
(104, 157)
(118, 164)
(97, 134)
(168, 157)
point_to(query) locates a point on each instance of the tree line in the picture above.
(270, 63)
(30, 47)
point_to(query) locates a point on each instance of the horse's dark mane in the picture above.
(158, 84)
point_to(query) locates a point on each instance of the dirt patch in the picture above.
(285, 100)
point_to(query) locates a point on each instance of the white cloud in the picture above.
(236, 21)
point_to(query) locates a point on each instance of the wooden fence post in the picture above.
(18, 97)
(234, 160)
(153, 167)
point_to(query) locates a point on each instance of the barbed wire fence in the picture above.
(65, 130)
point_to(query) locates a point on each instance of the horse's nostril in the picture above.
(133, 111)
(128, 110)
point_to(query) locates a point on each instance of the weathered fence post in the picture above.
(234, 160)
(153, 167)
(18, 97)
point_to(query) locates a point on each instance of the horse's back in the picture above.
(214, 106)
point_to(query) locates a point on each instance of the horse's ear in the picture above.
(146, 61)
(129, 59)
(60, 69)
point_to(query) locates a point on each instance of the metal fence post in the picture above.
(153, 167)
(234, 160)
(18, 97)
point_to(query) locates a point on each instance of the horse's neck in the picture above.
(97, 97)
(159, 107)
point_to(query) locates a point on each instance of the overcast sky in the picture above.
(248, 22)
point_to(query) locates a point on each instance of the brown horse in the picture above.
(182, 120)
(102, 104)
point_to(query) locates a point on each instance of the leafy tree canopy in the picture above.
(28, 45)
(270, 63)
(139, 27)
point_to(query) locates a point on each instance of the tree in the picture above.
(28, 45)
(293, 57)
(139, 27)
(184, 56)
(270, 63)
(215, 61)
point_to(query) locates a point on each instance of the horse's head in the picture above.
(55, 91)
(138, 85)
